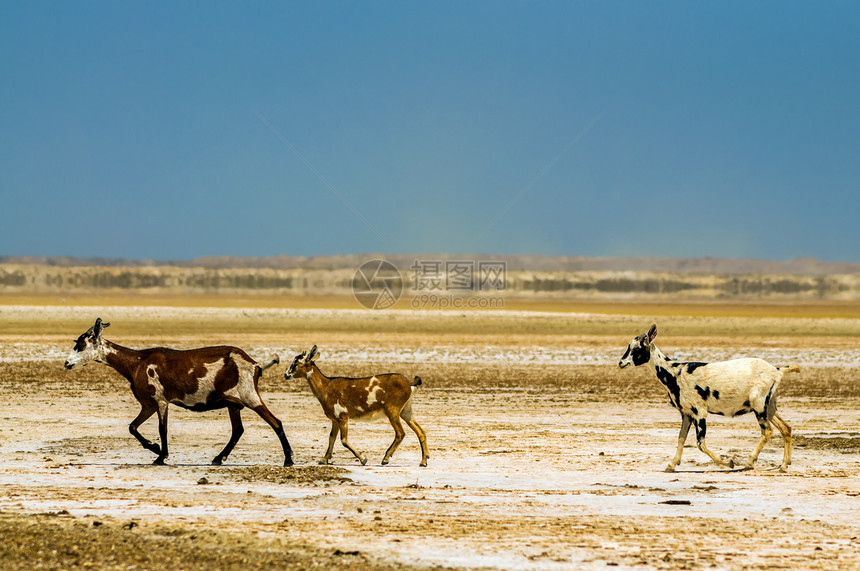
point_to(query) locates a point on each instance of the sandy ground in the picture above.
(543, 455)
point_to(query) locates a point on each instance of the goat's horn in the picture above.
(99, 327)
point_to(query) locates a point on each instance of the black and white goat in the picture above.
(345, 398)
(728, 388)
(196, 379)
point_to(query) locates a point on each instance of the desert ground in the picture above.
(543, 453)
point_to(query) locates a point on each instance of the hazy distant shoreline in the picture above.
(524, 277)
(701, 265)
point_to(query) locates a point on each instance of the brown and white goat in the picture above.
(727, 388)
(197, 379)
(345, 398)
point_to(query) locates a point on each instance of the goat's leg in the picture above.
(406, 415)
(332, 436)
(766, 433)
(682, 437)
(399, 433)
(278, 427)
(238, 430)
(785, 429)
(162, 433)
(344, 432)
(146, 411)
(701, 429)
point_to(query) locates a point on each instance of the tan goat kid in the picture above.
(345, 398)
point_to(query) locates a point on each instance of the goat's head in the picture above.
(639, 350)
(302, 364)
(88, 347)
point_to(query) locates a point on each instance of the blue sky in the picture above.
(178, 130)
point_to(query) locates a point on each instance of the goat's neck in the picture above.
(122, 359)
(658, 359)
(317, 380)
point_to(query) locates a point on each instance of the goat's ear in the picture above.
(652, 333)
(312, 353)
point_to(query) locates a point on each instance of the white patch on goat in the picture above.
(152, 380)
(205, 385)
(77, 358)
(372, 393)
(103, 351)
(339, 410)
(245, 389)
(92, 352)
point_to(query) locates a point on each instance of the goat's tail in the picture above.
(793, 368)
(417, 381)
(274, 360)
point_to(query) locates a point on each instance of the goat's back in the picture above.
(207, 353)
(199, 372)
(359, 396)
(734, 386)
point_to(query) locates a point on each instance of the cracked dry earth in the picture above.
(534, 464)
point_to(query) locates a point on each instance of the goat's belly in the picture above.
(368, 416)
(727, 407)
(202, 399)
(204, 406)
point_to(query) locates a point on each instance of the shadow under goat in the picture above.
(345, 398)
(728, 388)
(196, 379)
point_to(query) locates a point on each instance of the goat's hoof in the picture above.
(423, 464)
(384, 462)
(158, 462)
(670, 468)
(783, 469)
(288, 462)
(363, 460)
(217, 462)
(731, 463)
(747, 467)
(324, 462)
